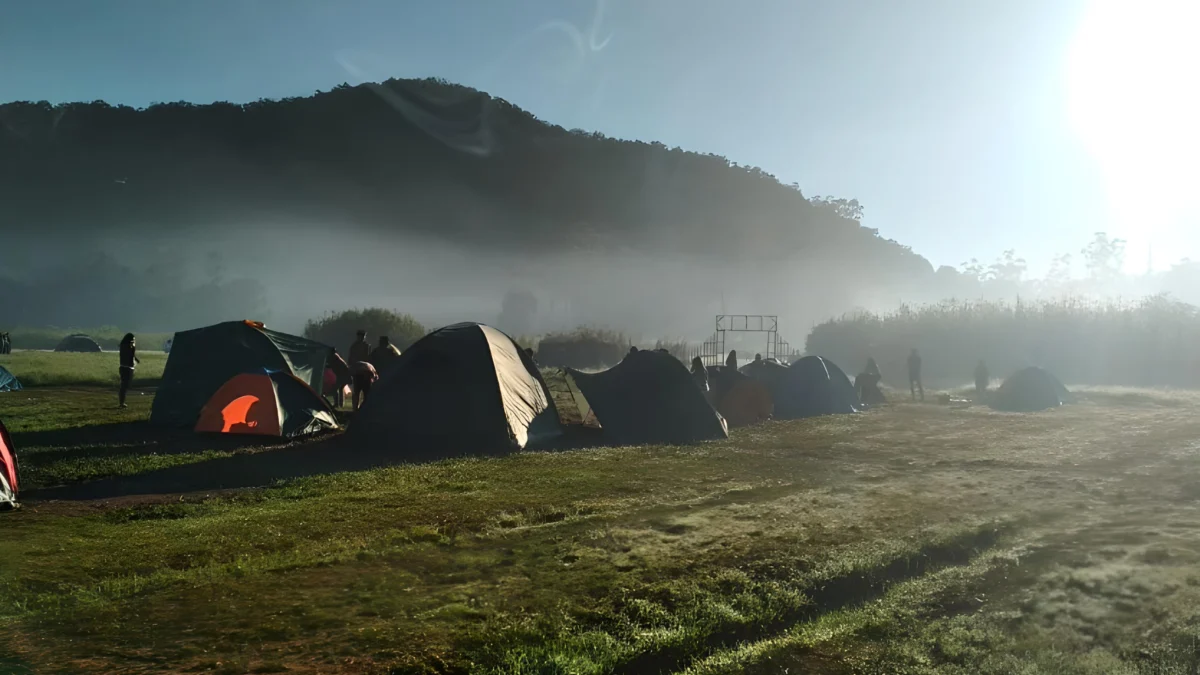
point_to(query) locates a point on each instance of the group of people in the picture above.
(5, 344)
(360, 371)
(700, 372)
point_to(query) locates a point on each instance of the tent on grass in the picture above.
(649, 397)
(8, 381)
(77, 343)
(266, 404)
(811, 386)
(203, 360)
(1030, 390)
(741, 399)
(8, 471)
(465, 389)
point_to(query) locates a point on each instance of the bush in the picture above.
(582, 348)
(337, 330)
(1153, 343)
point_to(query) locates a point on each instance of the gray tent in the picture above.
(77, 343)
(465, 389)
(1030, 390)
(649, 397)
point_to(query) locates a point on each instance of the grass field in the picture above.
(41, 369)
(108, 337)
(912, 539)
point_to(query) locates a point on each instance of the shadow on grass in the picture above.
(124, 438)
(332, 453)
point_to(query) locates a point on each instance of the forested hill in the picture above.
(420, 156)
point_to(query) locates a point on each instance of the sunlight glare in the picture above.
(1132, 97)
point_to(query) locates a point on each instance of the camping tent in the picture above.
(1030, 390)
(741, 399)
(204, 359)
(8, 471)
(649, 397)
(809, 387)
(8, 381)
(463, 389)
(266, 404)
(77, 343)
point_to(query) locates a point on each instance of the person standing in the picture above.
(384, 355)
(700, 374)
(982, 377)
(360, 352)
(359, 349)
(129, 361)
(732, 362)
(914, 375)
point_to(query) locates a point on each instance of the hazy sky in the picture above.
(965, 127)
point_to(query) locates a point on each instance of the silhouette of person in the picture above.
(129, 361)
(700, 374)
(982, 377)
(732, 361)
(914, 375)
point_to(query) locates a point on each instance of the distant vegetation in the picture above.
(1154, 342)
(583, 348)
(338, 330)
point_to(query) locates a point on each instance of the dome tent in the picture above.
(464, 389)
(1030, 390)
(811, 386)
(649, 397)
(78, 342)
(266, 404)
(202, 360)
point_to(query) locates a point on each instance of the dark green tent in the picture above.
(465, 389)
(1030, 390)
(78, 342)
(810, 387)
(204, 359)
(649, 397)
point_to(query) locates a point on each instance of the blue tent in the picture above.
(8, 381)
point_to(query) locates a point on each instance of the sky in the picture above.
(964, 128)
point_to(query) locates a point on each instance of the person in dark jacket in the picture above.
(731, 362)
(700, 374)
(982, 377)
(914, 375)
(384, 355)
(129, 361)
(872, 367)
(359, 349)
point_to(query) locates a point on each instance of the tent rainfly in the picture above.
(78, 343)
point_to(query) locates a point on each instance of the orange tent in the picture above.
(265, 404)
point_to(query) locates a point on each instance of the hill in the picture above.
(414, 156)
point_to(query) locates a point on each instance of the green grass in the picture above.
(48, 369)
(913, 539)
(108, 337)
